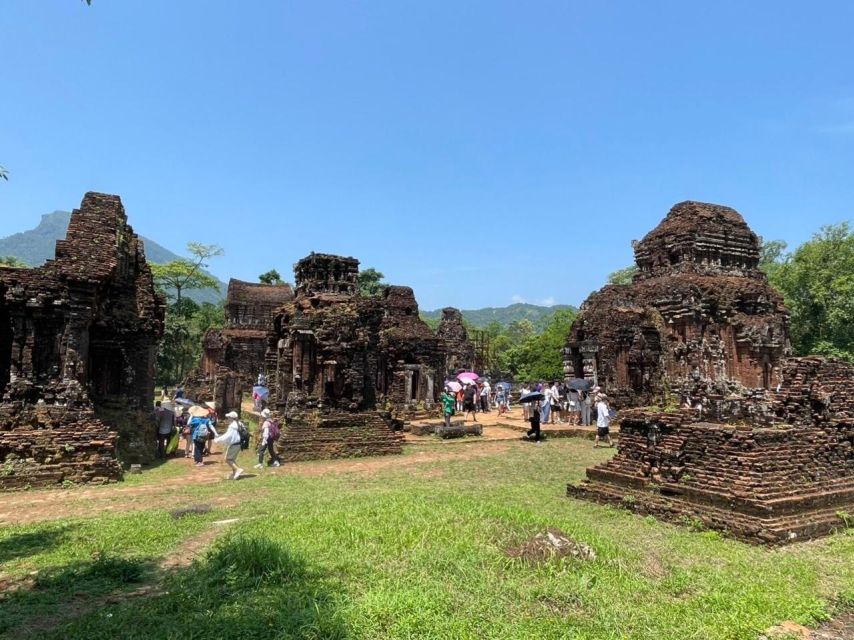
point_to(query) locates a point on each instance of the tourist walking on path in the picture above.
(267, 444)
(231, 441)
(603, 420)
(164, 418)
(535, 421)
(468, 401)
(448, 401)
(201, 429)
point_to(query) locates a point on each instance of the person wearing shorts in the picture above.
(603, 421)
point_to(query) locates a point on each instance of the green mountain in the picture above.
(37, 245)
(538, 315)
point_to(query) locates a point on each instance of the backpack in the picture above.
(202, 432)
(242, 430)
(274, 432)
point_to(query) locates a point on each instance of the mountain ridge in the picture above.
(539, 315)
(37, 245)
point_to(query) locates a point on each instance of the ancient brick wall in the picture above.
(698, 314)
(775, 483)
(459, 351)
(81, 331)
(232, 357)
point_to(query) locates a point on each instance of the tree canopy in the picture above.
(271, 277)
(817, 282)
(623, 276)
(370, 282)
(12, 261)
(187, 273)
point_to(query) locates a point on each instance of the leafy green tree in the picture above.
(370, 282)
(187, 273)
(271, 277)
(12, 261)
(817, 282)
(540, 356)
(772, 256)
(520, 330)
(623, 276)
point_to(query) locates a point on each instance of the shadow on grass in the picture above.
(21, 545)
(246, 587)
(55, 595)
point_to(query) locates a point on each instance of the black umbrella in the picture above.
(580, 384)
(531, 397)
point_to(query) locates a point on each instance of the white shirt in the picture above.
(231, 435)
(603, 418)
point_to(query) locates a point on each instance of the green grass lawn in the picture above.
(413, 551)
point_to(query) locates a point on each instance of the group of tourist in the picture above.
(197, 425)
(557, 400)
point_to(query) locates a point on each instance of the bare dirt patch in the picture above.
(51, 504)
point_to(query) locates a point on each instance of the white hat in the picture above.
(265, 413)
(232, 414)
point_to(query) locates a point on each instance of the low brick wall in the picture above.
(319, 436)
(770, 484)
(45, 447)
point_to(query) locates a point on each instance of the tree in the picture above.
(540, 356)
(187, 273)
(817, 282)
(370, 282)
(3, 173)
(12, 261)
(772, 256)
(271, 277)
(623, 276)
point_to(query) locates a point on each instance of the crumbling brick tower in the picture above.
(458, 348)
(765, 453)
(77, 347)
(336, 356)
(698, 316)
(234, 355)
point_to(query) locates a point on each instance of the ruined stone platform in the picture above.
(338, 435)
(774, 484)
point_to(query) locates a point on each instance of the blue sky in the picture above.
(480, 152)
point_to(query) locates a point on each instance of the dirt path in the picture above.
(42, 505)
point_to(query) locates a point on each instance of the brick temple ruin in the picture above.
(78, 338)
(459, 350)
(766, 449)
(233, 356)
(338, 362)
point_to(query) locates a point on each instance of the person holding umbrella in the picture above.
(534, 411)
(468, 401)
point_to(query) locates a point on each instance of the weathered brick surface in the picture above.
(698, 317)
(775, 483)
(459, 351)
(318, 435)
(79, 332)
(233, 356)
(335, 356)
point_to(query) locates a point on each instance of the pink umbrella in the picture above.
(453, 386)
(467, 376)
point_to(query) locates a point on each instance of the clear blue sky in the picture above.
(480, 152)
